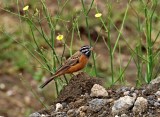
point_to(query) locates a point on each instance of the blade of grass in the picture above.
(120, 31)
(87, 25)
(124, 70)
(29, 87)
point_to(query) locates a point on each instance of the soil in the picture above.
(78, 85)
(76, 95)
(15, 99)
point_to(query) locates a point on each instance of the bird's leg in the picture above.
(81, 73)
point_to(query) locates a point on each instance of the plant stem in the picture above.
(87, 24)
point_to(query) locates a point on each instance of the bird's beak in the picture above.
(91, 48)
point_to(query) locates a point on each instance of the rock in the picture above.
(126, 93)
(82, 111)
(58, 114)
(98, 91)
(140, 105)
(151, 99)
(124, 115)
(123, 89)
(64, 104)
(82, 114)
(36, 114)
(136, 91)
(154, 84)
(72, 113)
(134, 95)
(109, 100)
(77, 103)
(83, 108)
(59, 106)
(157, 93)
(103, 114)
(132, 89)
(96, 104)
(87, 95)
(122, 105)
(155, 81)
(43, 115)
(156, 104)
(2, 86)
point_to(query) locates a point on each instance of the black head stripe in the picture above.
(86, 50)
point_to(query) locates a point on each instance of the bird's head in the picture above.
(86, 50)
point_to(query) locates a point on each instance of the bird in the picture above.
(73, 64)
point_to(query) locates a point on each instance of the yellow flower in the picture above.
(25, 8)
(98, 15)
(59, 37)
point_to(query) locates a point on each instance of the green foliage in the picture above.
(12, 51)
(38, 75)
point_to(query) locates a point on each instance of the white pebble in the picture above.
(59, 106)
(98, 91)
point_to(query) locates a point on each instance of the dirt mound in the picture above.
(78, 85)
(75, 100)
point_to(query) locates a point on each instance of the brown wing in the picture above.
(74, 59)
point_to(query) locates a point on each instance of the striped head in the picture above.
(86, 50)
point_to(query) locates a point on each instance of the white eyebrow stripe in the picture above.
(87, 52)
(84, 50)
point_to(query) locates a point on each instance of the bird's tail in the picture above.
(48, 81)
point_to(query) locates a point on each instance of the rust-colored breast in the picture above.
(83, 60)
